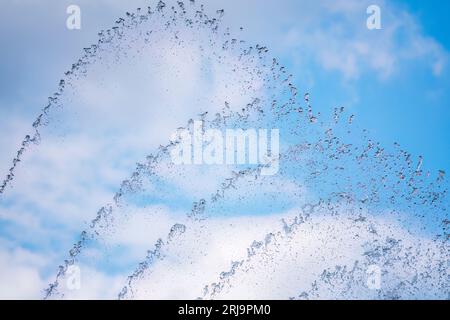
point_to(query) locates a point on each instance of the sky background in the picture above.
(395, 80)
(397, 98)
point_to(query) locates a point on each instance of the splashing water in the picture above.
(340, 205)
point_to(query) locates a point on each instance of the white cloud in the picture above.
(333, 34)
(285, 267)
(291, 264)
(338, 40)
(19, 274)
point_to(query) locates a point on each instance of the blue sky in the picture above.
(432, 16)
(395, 80)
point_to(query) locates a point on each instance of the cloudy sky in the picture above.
(395, 80)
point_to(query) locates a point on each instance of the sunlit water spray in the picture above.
(340, 206)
